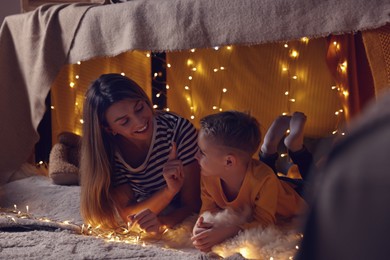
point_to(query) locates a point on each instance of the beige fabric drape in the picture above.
(377, 44)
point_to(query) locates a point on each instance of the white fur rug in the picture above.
(40, 220)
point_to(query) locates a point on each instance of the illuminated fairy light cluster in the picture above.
(14, 214)
(125, 235)
(341, 88)
(291, 76)
(134, 235)
(193, 71)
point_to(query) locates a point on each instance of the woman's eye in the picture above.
(124, 122)
(139, 108)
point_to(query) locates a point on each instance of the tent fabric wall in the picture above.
(34, 46)
(377, 44)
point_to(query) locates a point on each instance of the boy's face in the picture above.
(210, 156)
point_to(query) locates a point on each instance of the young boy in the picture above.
(232, 179)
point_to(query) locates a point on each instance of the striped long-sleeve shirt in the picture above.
(147, 178)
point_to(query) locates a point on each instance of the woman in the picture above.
(135, 162)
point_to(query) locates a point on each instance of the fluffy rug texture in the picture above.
(35, 45)
(39, 219)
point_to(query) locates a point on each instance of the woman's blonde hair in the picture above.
(97, 149)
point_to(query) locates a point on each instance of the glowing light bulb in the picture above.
(224, 90)
(215, 107)
(343, 66)
(166, 86)
(305, 40)
(192, 50)
(192, 117)
(82, 121)
(123, 74)
(155, 106)
(294, 54)
(286, 93)
(169, 65)
(285, 45)
(190, 77)
(71, 84)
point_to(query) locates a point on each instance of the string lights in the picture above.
(194, 70)
(335, 54)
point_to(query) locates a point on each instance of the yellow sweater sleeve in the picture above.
(265, 204)
(208, 202)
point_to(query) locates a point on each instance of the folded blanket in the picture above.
(33, 48)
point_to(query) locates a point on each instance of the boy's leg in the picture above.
(269, 148)
(294, 143)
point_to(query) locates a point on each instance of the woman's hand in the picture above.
(173, 172)
(147, 221)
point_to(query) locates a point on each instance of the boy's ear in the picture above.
(230, 160)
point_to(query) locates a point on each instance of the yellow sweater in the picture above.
(270, 199)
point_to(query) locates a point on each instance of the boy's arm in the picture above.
(208, 202)
(265, 204)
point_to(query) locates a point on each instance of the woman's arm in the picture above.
(177, 177)
(126, 204)
(189, 196)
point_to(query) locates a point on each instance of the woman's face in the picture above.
(133, 119)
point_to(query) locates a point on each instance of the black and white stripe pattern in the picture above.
(148, 178)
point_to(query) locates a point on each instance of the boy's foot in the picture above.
(275, 133)
(294, 141)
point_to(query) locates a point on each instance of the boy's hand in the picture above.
(173, 172)
(147, 221)
(201, 226)
(205, 240)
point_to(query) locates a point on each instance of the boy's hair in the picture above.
(233, 129)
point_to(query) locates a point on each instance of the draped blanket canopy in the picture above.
(35, 45)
